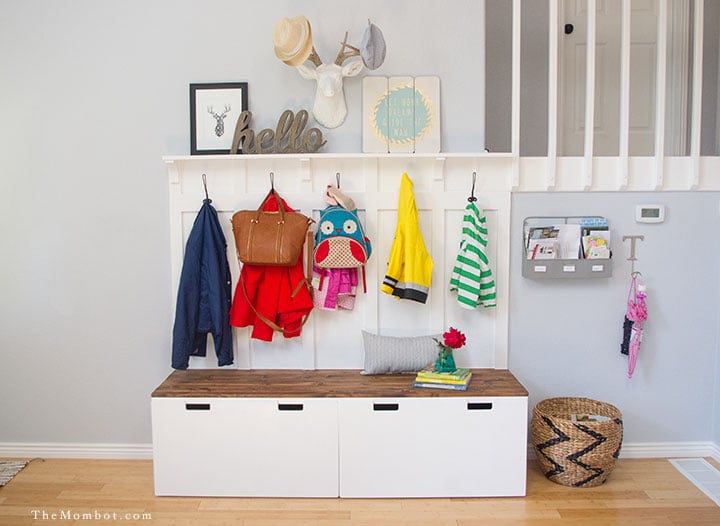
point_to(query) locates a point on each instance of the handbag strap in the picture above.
(278, 200)
(306, 281)
(264, 319)
(308, 264)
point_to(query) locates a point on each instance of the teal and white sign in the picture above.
(403, 116)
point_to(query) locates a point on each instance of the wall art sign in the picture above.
(289, 136)
(401, 114)
(214, 109)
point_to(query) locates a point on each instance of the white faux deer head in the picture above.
(330, 108)
(292, 38)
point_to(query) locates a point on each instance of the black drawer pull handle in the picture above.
(386, 407)
(290, 407)
(479, 406)
(197, 407)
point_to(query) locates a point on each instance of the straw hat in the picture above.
(292, 38)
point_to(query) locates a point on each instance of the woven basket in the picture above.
(571, 453)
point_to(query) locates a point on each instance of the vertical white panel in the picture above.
(515, 122)
(624, 135)
(660, 94)
(552, 92)
(375, 268)
(502, 278)
(176, 243)
(589, 94)
(697, 92)
(437, 245)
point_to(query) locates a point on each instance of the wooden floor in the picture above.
(639, 492)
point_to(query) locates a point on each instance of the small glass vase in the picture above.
(445, 362)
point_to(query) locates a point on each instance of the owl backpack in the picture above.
(340, 241)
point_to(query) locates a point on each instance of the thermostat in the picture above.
(650, 213)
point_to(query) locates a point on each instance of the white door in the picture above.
(571, 84)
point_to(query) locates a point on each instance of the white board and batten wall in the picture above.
(442, 184)
(333, 339)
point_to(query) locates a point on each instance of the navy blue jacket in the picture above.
(204, 294)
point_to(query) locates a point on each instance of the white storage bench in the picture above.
(330, 433)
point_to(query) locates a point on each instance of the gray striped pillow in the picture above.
(397, 354)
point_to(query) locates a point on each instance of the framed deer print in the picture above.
(214, 110)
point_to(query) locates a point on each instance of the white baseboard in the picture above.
(663, 450)
(670, 449)
(82, 450)
(144, 451)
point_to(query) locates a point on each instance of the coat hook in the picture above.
(207, 197)
(337, 179)
(272, 181)
(472, 197)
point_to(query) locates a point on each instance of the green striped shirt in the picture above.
(471, 274)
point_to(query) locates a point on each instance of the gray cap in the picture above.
(372, 48)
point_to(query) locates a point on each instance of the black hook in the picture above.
(207, 197)
(272, 182)
(337, 179)
(472, 197)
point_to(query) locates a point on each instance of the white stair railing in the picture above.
(656, 172)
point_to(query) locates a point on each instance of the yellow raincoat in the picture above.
(409, 271)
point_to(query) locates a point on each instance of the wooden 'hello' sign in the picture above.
(289, 136)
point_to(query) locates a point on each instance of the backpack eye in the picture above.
(349, 226)
(326, 227)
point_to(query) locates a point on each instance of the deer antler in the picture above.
(344, 55)
(315, 58)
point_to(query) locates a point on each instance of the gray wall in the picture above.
(95, 92)
(565, 334)
(533, 74)
(711, 73)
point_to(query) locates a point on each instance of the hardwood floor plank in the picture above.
(639, 492)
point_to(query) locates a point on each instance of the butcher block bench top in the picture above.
(324, 383)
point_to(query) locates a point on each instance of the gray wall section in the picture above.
(94, 93)
(533, 74)
(565, 334)
(498, 64)
(711, 71)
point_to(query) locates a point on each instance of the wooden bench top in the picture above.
(323, 383)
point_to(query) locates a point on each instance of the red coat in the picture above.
(270, 290)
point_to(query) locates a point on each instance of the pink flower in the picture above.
(454, 338)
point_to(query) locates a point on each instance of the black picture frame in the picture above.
(214, 111)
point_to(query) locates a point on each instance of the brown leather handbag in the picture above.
(270, 238)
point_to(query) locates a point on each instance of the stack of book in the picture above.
(429, 377)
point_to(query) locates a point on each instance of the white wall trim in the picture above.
(663, 450)
(670, 449)
(145, 451)
(76, 450)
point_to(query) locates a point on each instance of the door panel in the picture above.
(572, 67)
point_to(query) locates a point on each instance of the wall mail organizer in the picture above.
(566, 247)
